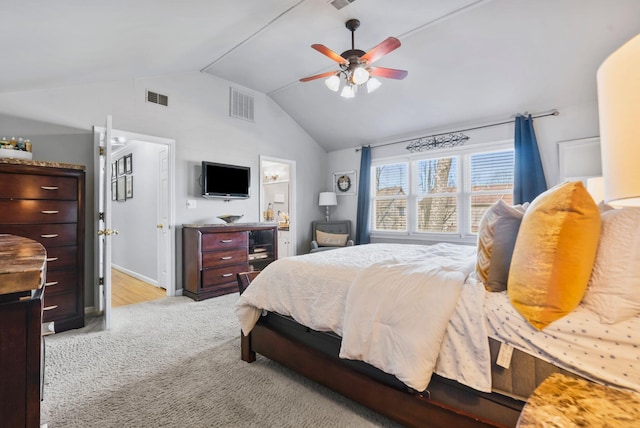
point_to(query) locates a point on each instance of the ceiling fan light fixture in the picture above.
(373, 84)
(360, 75)
(333, 83)
(348, 91)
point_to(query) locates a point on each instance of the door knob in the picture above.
(159, 226)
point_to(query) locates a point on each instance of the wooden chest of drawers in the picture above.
(45, 202)
(214, 255)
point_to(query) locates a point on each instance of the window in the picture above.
(443, 195)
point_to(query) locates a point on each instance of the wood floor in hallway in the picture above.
(127, 290)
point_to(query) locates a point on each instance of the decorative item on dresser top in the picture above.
(213, 254)
(22, 274)
(45, 201)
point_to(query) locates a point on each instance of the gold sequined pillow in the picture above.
(554, 254)
(496, 238)
(325, 239)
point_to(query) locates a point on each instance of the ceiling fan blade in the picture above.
(328, 52)
(388, 45)
(319, 76)
(389, 73)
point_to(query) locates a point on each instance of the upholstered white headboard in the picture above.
(579, 159)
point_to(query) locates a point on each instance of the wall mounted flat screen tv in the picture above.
(225, 181)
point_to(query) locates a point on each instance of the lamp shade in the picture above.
(619, 114)
(327, 199)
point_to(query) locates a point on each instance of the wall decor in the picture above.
(120, 189)
(344, 183)
(121, 166)
(128, 163)
(129, 187)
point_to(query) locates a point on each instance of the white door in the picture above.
(104, 230)
(163, 225)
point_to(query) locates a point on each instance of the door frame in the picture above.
(170, 144)
(292, 197)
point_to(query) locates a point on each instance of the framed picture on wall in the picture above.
(121, 166)
(129, 187)
(344, 183)
(120, 189)
(128, 163)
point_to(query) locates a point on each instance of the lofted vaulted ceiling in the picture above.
(468, 60)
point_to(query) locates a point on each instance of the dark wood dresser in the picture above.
(22, 274)
(45, 201)
(212, 255)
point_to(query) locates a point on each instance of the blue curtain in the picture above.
(362, 218)
(529, 179)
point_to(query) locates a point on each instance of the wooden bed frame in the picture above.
(444, 404)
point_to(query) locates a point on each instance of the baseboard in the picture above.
(136, 275)
(90, 310)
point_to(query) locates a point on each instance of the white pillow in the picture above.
(614, 288)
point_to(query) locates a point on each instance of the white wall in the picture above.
(197, 118)
(573, 122)
(137, 217)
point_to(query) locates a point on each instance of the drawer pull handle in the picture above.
(51, 259)
(51, 235)
(226, 258)
(48, 308)
(49, 187)
(50, 284)
(226, 275)
(50, 212)
(226, 241)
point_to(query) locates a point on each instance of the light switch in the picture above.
(191, 203)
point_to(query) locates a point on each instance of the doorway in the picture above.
(278, 200)
(142, 215)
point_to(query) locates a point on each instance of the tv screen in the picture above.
(225, 181)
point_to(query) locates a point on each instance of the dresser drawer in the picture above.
(61, 281)
(18, 211)
(222, 240)
(61, 258)
(34, 186)
(56, 306)
(223, 275)
(224, 257)
(49, 235)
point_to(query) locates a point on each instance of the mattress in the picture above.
(579, 342)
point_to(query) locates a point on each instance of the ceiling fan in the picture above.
(355, 65)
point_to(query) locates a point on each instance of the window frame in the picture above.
(463, 194)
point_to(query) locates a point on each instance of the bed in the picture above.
(326, 316)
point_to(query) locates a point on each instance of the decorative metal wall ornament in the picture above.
(437, 142)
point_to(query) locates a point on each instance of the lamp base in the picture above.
(326, 217)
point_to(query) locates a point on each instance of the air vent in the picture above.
(339, 4)
(241, 105)
(156, 98)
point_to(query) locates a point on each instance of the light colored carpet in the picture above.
(174, 362)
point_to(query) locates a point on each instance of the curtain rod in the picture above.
(534, 116)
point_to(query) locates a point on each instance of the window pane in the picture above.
(481, 203)
(391, 214)
(438, 214)
(492, 171)
(391, 180)
(438, 175)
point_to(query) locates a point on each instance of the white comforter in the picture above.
(393, 304)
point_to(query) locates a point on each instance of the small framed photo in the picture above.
(344, 183)
(120, 189)
(120, 166)
(128, 163)
(114, 190)
(129, 187)
(114, 169)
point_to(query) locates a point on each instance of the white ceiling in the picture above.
(468, 60)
